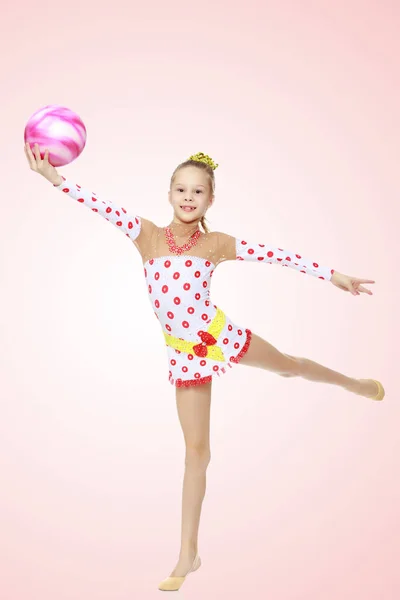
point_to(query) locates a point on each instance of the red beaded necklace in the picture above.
(180, 249)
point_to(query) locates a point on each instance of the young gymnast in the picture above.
(201, 341)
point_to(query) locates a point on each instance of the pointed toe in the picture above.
(381, 392)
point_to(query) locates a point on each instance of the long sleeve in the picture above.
(268, 254)
(118, 216)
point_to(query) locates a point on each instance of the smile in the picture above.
(188, 208)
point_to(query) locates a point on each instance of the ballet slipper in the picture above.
(381, 392)
(172, 584)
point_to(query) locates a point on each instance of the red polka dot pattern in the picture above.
(117, 215)
(179, 291)
(181, 300)
(268, 254)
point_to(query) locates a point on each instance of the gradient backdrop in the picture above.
(299, 104)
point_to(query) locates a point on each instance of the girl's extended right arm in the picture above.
(130, 225)
(118, 216)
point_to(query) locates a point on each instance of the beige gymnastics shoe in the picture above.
(381, 392)
(172, 584)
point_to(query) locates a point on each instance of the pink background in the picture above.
(298, 102)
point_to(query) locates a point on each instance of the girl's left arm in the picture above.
(233, 248)
(263, 253)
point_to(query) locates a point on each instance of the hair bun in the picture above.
(201, 157)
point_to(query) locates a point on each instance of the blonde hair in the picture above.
(204, 162)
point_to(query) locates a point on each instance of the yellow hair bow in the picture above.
(201, 157)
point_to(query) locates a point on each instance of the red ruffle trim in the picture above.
(245, 347)
(201, 380)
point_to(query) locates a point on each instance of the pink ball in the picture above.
(60, 130)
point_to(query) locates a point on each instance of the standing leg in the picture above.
(193, 406)
(263, 355)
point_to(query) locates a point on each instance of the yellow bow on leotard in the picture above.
(207, 347)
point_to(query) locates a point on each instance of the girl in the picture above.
(201, 341)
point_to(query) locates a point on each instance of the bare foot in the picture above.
(184, 565)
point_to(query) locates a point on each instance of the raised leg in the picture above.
(263, 355)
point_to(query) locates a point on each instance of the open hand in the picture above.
(351, 284)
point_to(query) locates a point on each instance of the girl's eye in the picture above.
(199, 191)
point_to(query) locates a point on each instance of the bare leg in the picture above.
(265, 356)
(193, 406)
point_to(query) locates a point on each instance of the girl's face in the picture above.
(191, 187)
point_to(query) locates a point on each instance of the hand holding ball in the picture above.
(42, 166)
(59, 130)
